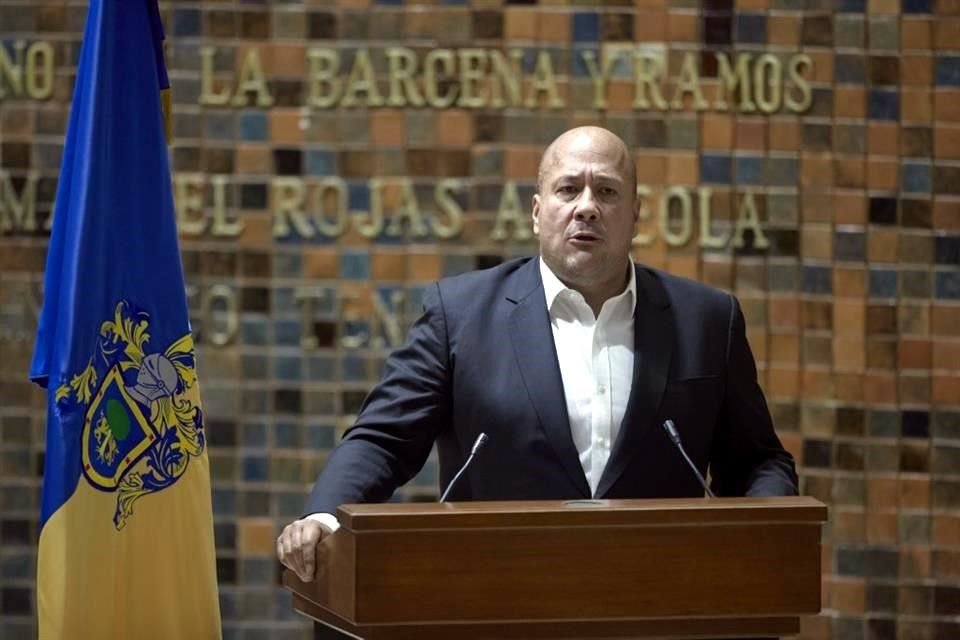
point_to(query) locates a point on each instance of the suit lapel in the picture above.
(536, 354)
(653, 333)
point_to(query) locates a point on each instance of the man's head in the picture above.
(585, 210)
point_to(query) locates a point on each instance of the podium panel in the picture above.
(736, 567)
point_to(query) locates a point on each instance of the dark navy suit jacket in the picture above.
(482, 359)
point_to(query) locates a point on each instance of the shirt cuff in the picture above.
(326, 519)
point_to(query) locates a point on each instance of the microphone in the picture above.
(674, 435)
(477, 445)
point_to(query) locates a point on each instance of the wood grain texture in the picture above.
(674, 568)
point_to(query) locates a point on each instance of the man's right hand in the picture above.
(299, 549)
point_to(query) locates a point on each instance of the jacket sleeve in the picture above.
(398, 422)
(748, 457)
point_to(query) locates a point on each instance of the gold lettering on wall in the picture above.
(480, 78)
(29, 72)
(18, 213)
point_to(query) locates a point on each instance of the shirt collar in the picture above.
(553, 287)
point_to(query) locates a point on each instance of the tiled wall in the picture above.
(852, 305)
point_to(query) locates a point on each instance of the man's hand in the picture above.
(297, 547)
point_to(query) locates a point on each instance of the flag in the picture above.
(126, 526)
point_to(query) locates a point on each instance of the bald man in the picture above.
(570, 362)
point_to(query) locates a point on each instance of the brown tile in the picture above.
(320, 264)
(848, 527)
(454, 127)
(944, 388)
(879, 387)
(683, 168)
(945, 529)
(883, 174)
(914, 353)
(850, 172)
(424, 267)
(946, 141)
(849, 317)
(387, 127)
(915, 562)
(913, 319)
(915, 33)
(786, 134)
(716, 131)
(784, 313)
(882, 528)
(882, 493)
(816, 242)
(255, 536)
(784, 348)
(520, 162)
(751, 134)
(783, 382)
(784, 29)
(946, 214)
(285, 126)
(849, 101)
(916, 248)
(849, 208)
(916, 105)
(946, 355)
(946, 104)
(520, 23)
(651, 168)
(650, 26)
(883, 138)
(848, 595)
(946, 33)
(849, 387)
(818, 170)
(945, 319)
(882, 244)
(254, 159)
(849, 282)
(816, 385)
(553, 26)
(914, 492)
(914, 388)
(946, 564)
(388, 266)
(683, 27)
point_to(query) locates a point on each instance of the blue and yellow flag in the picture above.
(126, 540)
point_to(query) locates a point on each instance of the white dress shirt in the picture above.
(596, 364)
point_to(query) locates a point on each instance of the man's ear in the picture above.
(535, 214)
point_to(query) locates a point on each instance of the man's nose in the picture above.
(586, 205)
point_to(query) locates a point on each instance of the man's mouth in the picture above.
(585, 237)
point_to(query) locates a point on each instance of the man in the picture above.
(570, 363)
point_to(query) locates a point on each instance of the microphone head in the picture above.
(481, 440)
(671, 430)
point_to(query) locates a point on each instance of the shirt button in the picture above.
(601, 389)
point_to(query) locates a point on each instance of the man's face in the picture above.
(586, 210)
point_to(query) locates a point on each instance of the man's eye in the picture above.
(566, 189)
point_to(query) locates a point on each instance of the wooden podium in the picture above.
(695, 568)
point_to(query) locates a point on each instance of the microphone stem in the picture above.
(703, 482)
(453, 482)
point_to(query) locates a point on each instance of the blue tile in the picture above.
(286, 435)
(355, 266)
(455, 2)
(219, 126)
(948, 71)
(353, 368)
(289, 504)
(851, 6)
(321, 368)
(224, 501)
(917, 6)
(320, 162)
(254, 468)
(253, 434)
(749, 169)
(282, 298)
(186, 22)
(357, 329)
(715, 168)
(947, 284)
(586, 27)
(884, 104)
(883, 283)
(253, 126)
(817, 279)
(395, 3)
(17, 567)
(253, 331)
(287, 332)
(915, 177)
(781, 172)
(287, 368)
(257, 571)
(288, 265)
(320, 436)
(358, 196)
(849, 69)
(578, 66)
(455, 264)
(947, 250)
(752, 27)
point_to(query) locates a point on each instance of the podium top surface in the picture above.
(520, 513)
